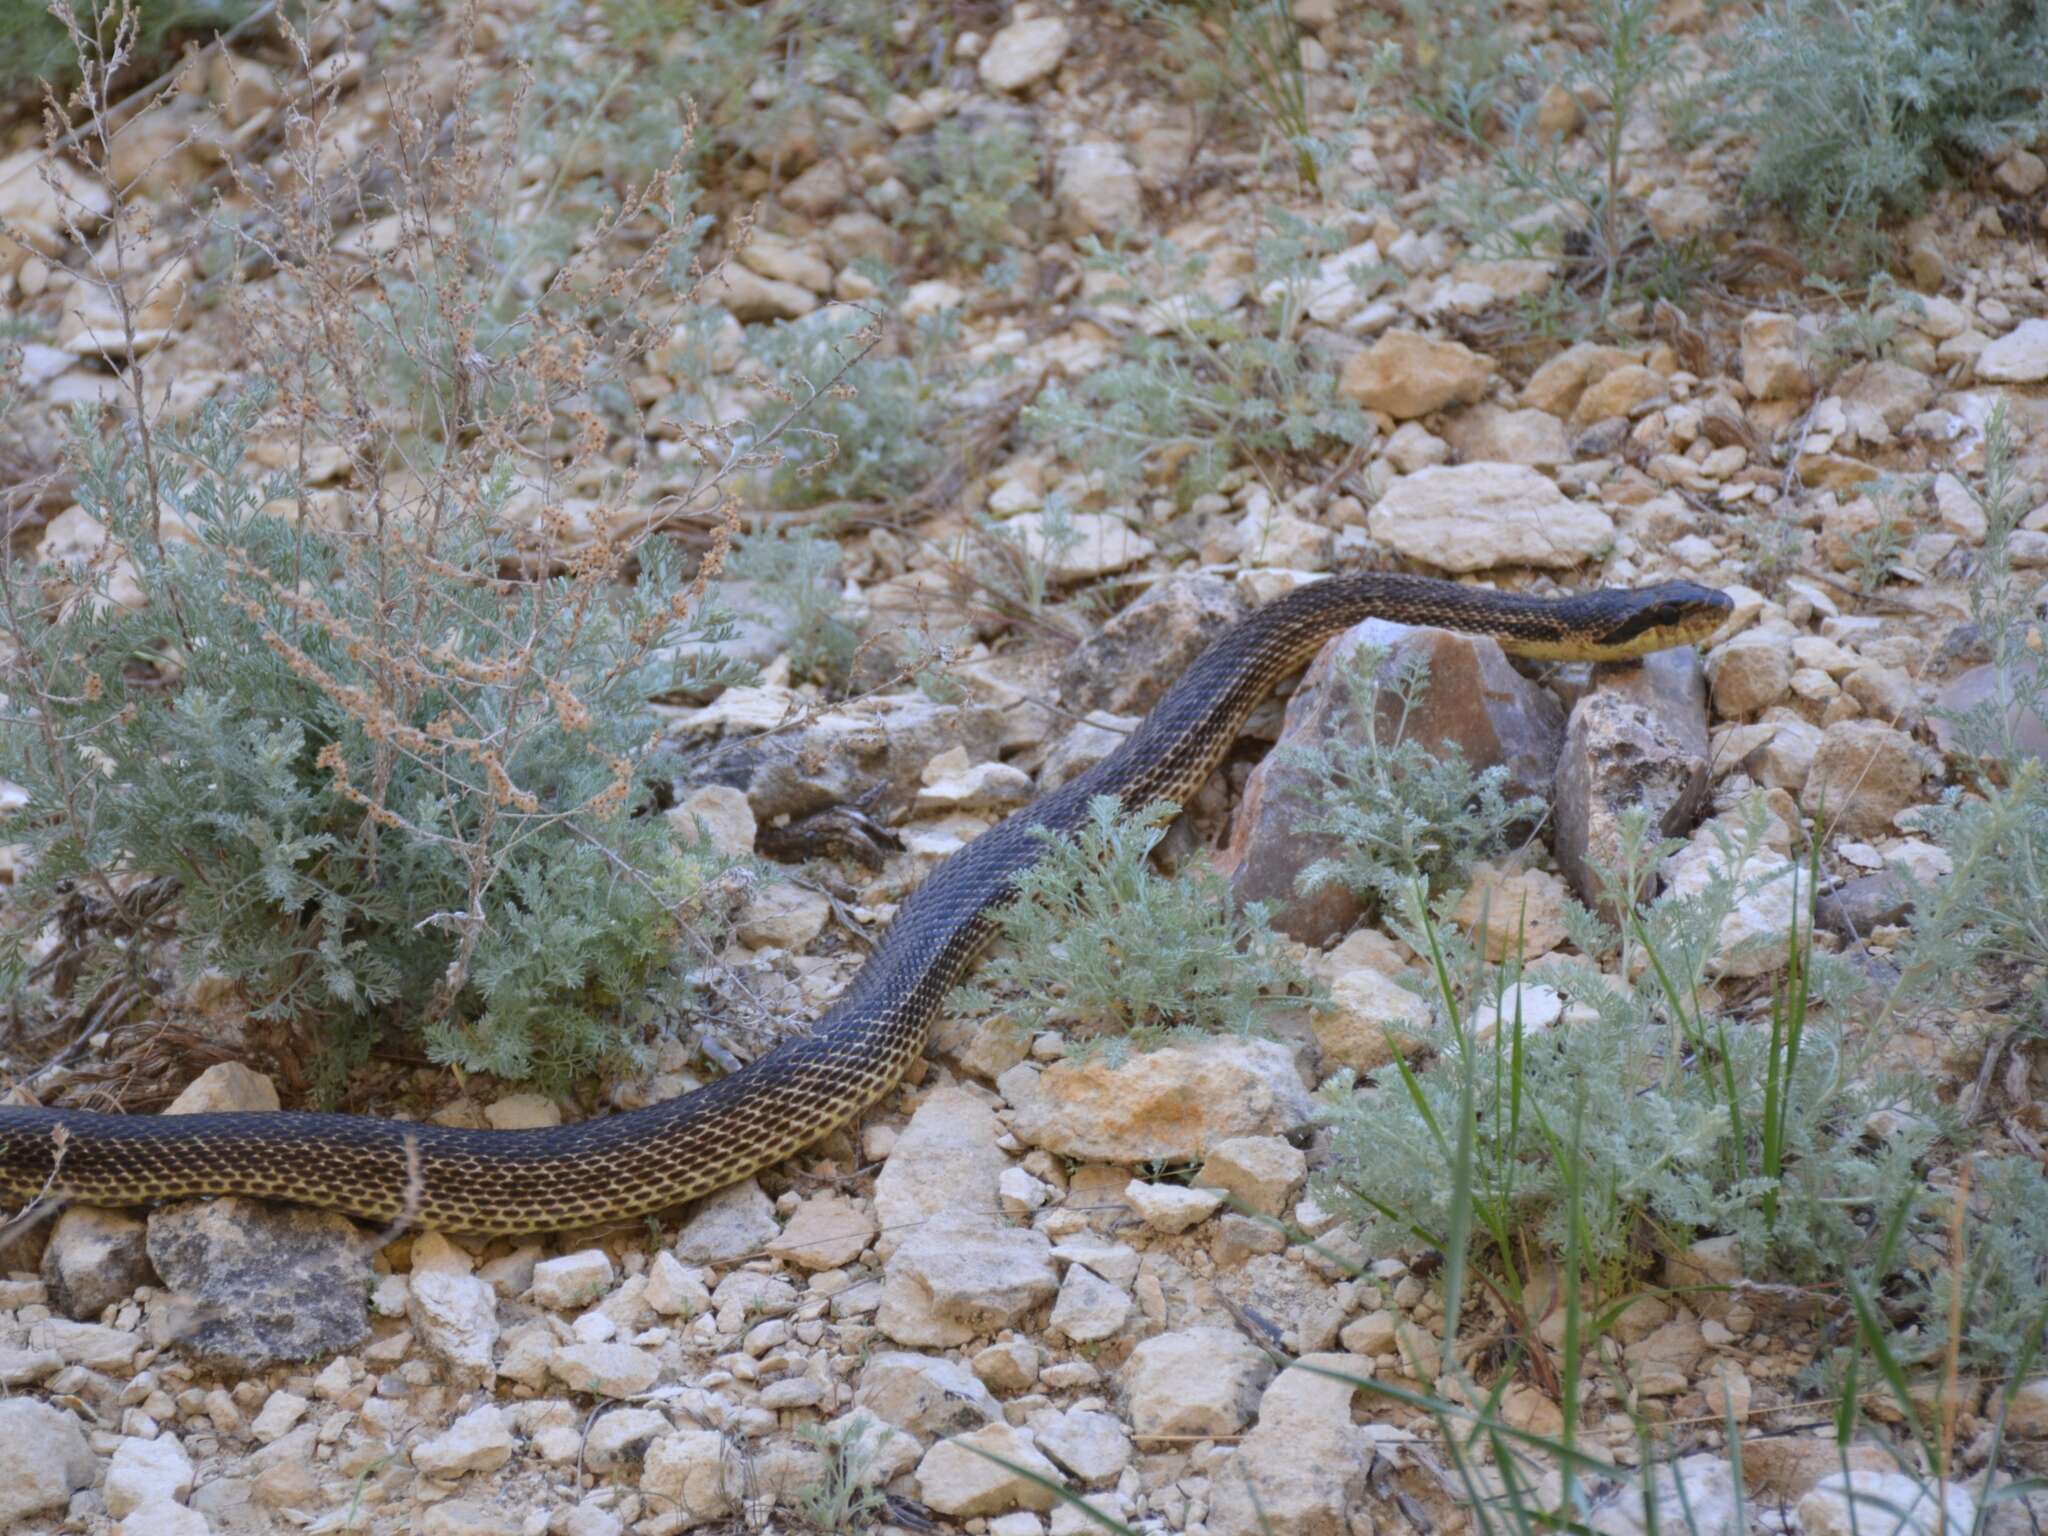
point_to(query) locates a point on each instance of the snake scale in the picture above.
(647, 1160)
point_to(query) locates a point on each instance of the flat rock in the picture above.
(2020, 356)
(1407, 374)
(264, 1284)
(1477, 517)
(825, 1231)
(1866, 1503)
(1369, 1019)
(1195, 1381)
(925, 1394)
(958, 1477)
(1637, 739)
(1476, 701)
(945, 1160)
(146, 1472)
(1167, 1105)
(959, 1276)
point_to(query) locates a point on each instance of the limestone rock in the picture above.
(945, 1160)
(1697, 1495)
(1023, 53)
(1867, 1503)
(1863, 775)
(1407, 374)
(479, 1441)
(2020, 356)
(825, 1231)
(1260, 1173)
(783, 915)
(719, 813)
(1087, 1442)
(1370, 1017)
(1513, 911)
(1477, 517)
(686, 1473)
(925, 1394)
(263, 1284)
(750, 297)
(147, 1472)
(1171, 1208)
(1476, 702)
(1754, 935)
(605, 1370)
(573, 1281)
(1166, 1105)
(1195, 1381)
(956, 1478)
(959, 1276)
(1772, 367)
(226, 1085)
(1495, 435)
(1097, 190)
(1303, 1468)
(1088, 1308)
(1750, 673)
(94, 1259)
(455, 1318)
(1127, 664)
(729, 1225)
(1088, 545)
(44, 1459)
(1638, 738)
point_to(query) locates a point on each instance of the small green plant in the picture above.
(1402, 810)
(1206, 383)
(1530, 172)
(1100, 942)
(1244, 56)
(871, 432)
(1858, 107)
(798, 572)
(976, 191)
(845, 1500)
(1875, 550)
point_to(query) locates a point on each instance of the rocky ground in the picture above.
(996, 1259)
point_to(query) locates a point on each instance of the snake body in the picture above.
(647, 1160)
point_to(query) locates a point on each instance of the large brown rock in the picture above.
(1864, 774)
(1476, 702)
(1637, 740)
(1128, 663)
(1407, 375)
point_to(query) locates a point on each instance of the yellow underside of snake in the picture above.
(648, 1160)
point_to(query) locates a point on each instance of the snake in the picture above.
(641, 1162)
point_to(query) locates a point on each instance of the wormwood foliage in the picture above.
(1207, 377)
(1400, 811)
(1097, 938)
(239, 720)
(872, 432)
(1859, 106)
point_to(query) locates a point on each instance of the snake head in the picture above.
(1659, 617)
